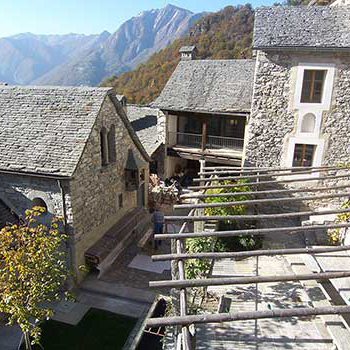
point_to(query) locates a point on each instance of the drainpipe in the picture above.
(69, 244)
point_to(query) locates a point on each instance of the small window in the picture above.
(313, 82)
(39, 202)
(308, 123)
(111, 145)
(303, 155)
(104, 147)
(120, 201)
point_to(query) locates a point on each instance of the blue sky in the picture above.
(87, 16)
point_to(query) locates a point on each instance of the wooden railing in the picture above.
(212, 142)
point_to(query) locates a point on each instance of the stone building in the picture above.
(73, 151)
(207, 105)
(148, 124)
(300, 108)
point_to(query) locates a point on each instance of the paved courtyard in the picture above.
(272, 334)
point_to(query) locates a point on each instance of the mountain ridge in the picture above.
(79, 59)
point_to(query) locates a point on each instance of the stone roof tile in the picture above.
(45, 129)
(302, 26)
(144, 122)
(224, 86)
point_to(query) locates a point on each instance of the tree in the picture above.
(33, 269)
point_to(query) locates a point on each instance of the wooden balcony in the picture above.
(210, 142)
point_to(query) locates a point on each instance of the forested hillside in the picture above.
(226, 34)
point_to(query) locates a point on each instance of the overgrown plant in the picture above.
(336, 236)
(33, 268)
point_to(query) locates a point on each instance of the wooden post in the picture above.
(204, 136)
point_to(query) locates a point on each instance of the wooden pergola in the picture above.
(210, 178)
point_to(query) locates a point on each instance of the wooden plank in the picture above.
(254, 217)
(261, 201)
(238, 194)
(259, 176)
(252, 232)
(247, 315)
(235, 170)
(248, 254)
(196, 188)
(226, 281)
(256, 169)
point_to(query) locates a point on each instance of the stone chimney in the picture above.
(123, 102)
(188, 53)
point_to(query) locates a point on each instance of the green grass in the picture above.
(98, 330)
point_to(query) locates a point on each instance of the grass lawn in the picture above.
(98, 330)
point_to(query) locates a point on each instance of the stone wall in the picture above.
(18, 192)
(274, 118)
(275, 123)
(95, 188)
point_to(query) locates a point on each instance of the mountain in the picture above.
(132, 43)
(25, 57)
(226, 34)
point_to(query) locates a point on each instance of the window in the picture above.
(111, 145)
(39, 202)
(120, 200)
(104, 147)
(303, 155)
(308, 123)
(312, 88)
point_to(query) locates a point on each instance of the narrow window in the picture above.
(120, 200)
(303, 155)
(308, 123)
(111, 145)
(313, 82)
(104, 147)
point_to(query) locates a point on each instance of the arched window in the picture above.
(308, 123)
(111, 145)
(104, 146)
(39, 202)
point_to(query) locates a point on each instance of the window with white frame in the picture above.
(308, 123)
(313, 84)
(303, 155)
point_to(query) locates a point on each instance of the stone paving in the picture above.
(286, 333)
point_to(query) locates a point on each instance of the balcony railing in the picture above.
(212, 142)
(218, 142)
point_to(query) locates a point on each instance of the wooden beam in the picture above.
(235, 170)
(246, 315)
(253, 232)
(204, 134)
(226, 281)
(259, 176)
(260, 201)
(254, 217)
(248, 254)
(256, 169)
(195, 188)
(237, 194)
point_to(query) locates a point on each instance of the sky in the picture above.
(89, 16)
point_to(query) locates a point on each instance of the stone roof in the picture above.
(44, 129)
(224, 86)
(302, 26)
(144, 122)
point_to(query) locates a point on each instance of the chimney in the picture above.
(123, 102)
(188, 53)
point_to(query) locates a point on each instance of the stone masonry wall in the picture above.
(18, 192)
(273, 120)
(95, 188)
